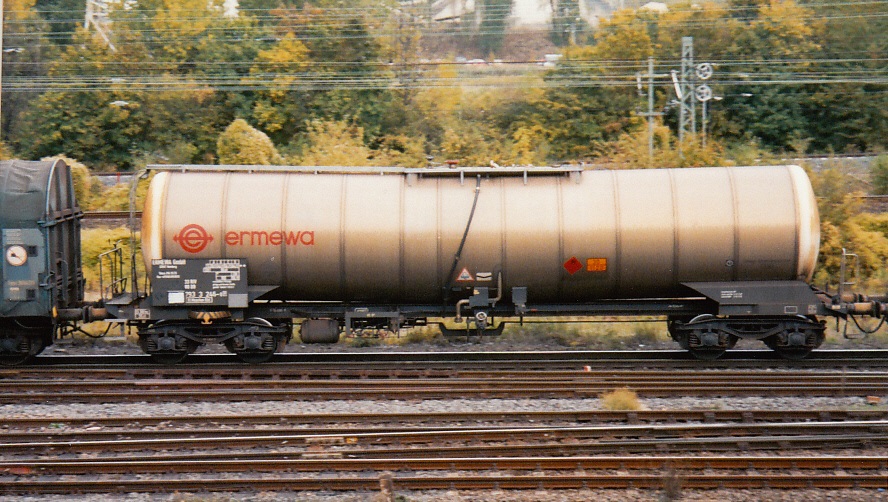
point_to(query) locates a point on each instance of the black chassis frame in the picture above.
(749, 300)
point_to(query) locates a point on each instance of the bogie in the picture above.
(253, 340)
(708, 337)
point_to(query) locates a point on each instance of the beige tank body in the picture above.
(391, 237)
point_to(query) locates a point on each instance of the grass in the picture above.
(834, 337)
(621, 400)
(590, 335)
(426, 335)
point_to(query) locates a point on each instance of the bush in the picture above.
(879, 175)
(98, 240)
(428, 335)
(620, 400)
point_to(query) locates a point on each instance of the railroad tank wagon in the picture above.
(566, 235)
(41, 273)
(723, 252)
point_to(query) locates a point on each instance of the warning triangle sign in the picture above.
(465, 276)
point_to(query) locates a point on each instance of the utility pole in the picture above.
(97, 18)
(650, 114)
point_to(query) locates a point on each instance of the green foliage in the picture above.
(242, 144)
(567, 27)
(335, 144)
(94, 242)
(879, 175)
(424, 335)
(63, 17)
(494, 18)
(632, 150)
(286, 65)
(845, 226)
(5, 153)
(28, 52)
(596, 336)
(276, 110)
(837, 195)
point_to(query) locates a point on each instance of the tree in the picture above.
(241, 144)
(845, 226)
(566, 22)
(103, 125)
(335, 143)
(63, 17)
(850, 116)
(182, 27)
(579, 119)
(879, 175)
(492, 28)
(631, 150)
(27, 51)
(341, 50)
(775, 44)
(276, 110)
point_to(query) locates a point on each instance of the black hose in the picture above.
(462, 243)
(862, 330)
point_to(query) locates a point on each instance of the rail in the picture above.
(398, 384)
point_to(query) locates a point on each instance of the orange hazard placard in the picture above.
(573, 265)
(596, 265)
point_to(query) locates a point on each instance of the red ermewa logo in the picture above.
(193, 238)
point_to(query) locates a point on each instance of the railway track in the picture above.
(19, 425)
(467, 450)
(545, 481)
(465, 458)
(422, 441)
(241, 384)
(475, 474)
(627, 359)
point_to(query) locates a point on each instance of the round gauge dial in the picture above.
(16, 255)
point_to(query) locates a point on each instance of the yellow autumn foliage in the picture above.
(241, 144)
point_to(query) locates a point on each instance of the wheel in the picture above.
(165, 344)
(255, 347)
(796, 342)
(703, 336)
(16, 347)
(791, 353)
(254, 357)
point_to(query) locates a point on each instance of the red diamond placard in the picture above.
(573, 265)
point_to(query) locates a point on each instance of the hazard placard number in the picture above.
(596, 265)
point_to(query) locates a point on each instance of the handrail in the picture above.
(117, 284)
